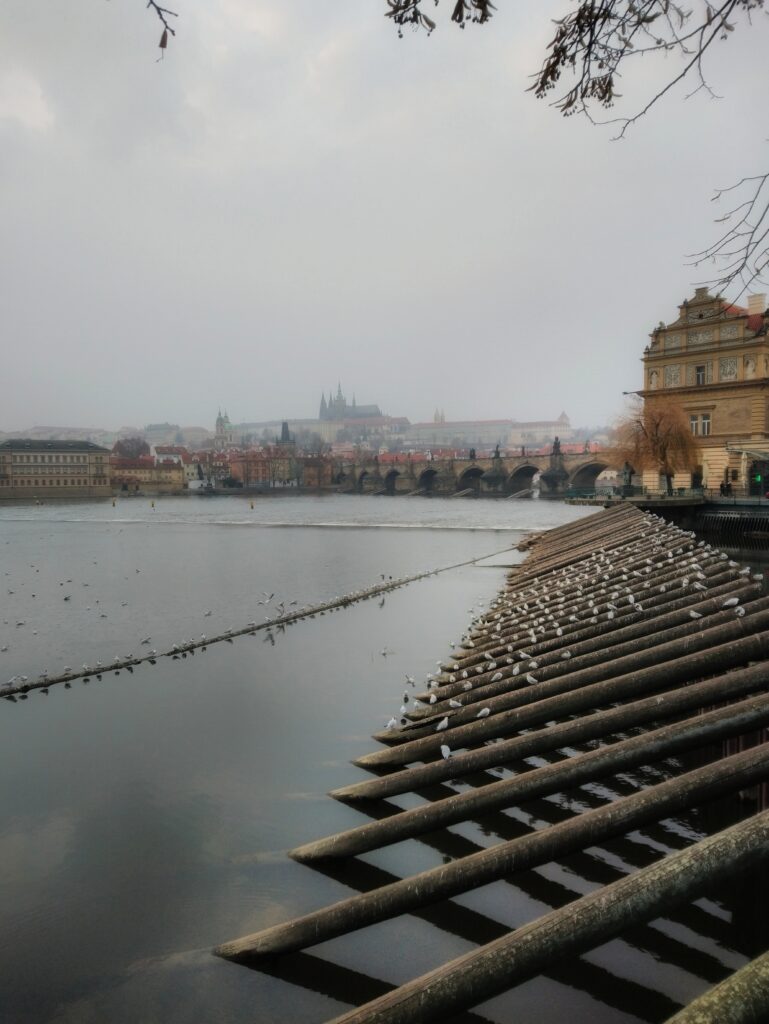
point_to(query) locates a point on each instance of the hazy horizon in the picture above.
(294, 196)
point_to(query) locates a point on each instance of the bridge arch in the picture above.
(521, 478)
(390, 481)
(470, 479)
(426, 480)
(585, 476)
(360, 483)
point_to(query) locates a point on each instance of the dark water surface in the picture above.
(144, 818)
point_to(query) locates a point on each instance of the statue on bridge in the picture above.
(555, 477)
(627, 476)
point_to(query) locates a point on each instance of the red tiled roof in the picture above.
(755, 321)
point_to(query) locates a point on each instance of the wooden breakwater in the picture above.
(621, 632)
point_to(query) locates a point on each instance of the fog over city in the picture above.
(295, 195)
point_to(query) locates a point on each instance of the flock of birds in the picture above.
(515, 620)
(282, 613)
(535, 613)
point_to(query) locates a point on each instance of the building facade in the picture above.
(487, 433)
(713, 361)
(147, 475)
(53, 469)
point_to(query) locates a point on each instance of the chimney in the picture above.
(756, 304)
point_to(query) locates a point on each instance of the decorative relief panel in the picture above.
(701, 313)
(672, 342)
(704, 337)
(673, 376)
(729, 331)
(727, 368)
(692, 379)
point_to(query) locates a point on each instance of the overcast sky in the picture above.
(295, 196)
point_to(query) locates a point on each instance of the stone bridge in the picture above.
(495, 475)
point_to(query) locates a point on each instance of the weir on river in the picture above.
(621, 635)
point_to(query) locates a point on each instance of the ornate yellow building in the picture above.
(713, 360)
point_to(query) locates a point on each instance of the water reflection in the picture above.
(145, 817)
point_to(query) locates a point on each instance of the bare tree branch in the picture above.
(742, 251)
(410, 13)
(592, 45)
(164, 14)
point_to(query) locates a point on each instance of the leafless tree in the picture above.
(656, 435)
(131, 447)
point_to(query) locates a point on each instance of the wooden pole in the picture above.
(580, 926)
(606, 663)
(649, 747)
(741, 999)
(554, 700)
(731, 686)
(703, 784)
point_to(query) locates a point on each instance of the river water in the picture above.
(145, 817)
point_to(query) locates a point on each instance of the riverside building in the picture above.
(713, 361)
(53, 469)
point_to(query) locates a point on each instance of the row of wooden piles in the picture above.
(621, 633)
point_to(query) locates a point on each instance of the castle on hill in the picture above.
(336, 408)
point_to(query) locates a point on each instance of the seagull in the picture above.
(445, 751)
(483, 713)
(730, 602)
(443, 724)
(455, 703)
